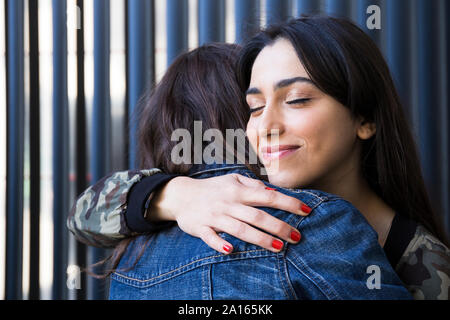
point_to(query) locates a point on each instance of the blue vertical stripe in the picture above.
(140, 64)
(338, 8)
(307, 7)
(177, 28)
(277, 11)
(399, 48)
(444, 112)
(60, 149)
(101, 118)
(35, 154)
(446, 190)
(211, 21)
(429, 110)
(247, 19)
(15, 148)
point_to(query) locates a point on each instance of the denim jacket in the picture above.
(338, 258)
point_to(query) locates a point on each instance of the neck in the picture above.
(350, 185)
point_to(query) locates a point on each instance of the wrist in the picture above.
(163, 201)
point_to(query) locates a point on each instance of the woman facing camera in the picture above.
(324, 115)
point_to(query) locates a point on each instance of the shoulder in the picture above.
(425, 266)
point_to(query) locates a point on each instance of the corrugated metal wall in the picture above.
(76, 85)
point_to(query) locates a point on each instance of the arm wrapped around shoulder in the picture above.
(97, 217)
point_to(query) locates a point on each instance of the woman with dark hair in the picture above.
(325, 89)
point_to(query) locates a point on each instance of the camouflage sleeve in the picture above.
(425, 267)
(97, 217)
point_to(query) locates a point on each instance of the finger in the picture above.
(249, 234)
(210, 237)
(266, 222)
(271, 198)
(249, 182)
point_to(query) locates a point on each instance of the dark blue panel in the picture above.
(277, 11)
(399, 49)
(81, 144)
(14, 187)
(429, 96)
(307, 7)
(446, 93)
(211, 21)
(60, 149)
(247, 18)
(444, 160)
(177, 28)
(140, 64)
(35, 155)
(338, 8)
(101, 117)
(101, 108)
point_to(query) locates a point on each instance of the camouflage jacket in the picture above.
(425, 267)
(98, 219)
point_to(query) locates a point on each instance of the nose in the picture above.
(270, 125)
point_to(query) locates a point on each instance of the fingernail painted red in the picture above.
(227, 248)
(295, 236)
(277, 244)
(268, 188)
(305, 208)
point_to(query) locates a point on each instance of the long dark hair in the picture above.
(346, 64)
(200, 85)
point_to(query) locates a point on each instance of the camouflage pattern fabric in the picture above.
(97, 217)
(425, 267)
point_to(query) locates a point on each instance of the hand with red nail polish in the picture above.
(236, 211)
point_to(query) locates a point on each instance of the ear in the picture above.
(365, 129)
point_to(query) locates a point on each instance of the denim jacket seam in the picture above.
(206, 285)
(286, 279)
(321, 198)
(325, 288)
(280, 276)
(300, 219)
(116, 275)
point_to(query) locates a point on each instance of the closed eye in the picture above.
(255, 109)
(298, 101)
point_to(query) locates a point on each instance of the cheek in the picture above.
(328, 141)
(252, 135)
(326, 136)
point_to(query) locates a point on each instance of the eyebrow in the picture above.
(281, 84)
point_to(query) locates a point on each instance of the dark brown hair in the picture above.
(346, 64)
(200, 85)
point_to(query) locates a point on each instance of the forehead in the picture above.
(276, 62)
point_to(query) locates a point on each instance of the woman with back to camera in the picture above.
(323, 84)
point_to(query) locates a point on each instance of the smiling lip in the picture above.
(278, 152)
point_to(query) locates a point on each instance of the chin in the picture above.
(284, 180)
